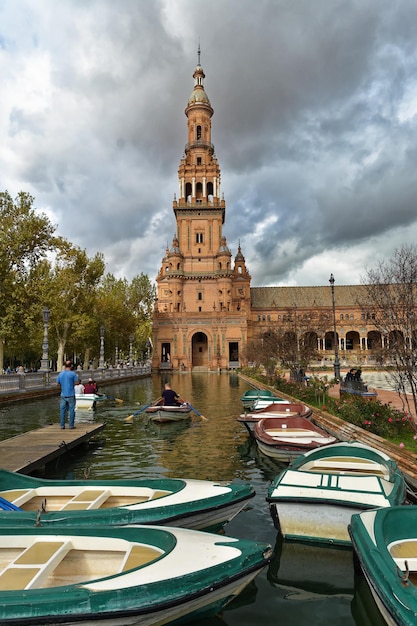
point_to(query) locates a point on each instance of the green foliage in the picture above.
(39, 269)
(374, 416)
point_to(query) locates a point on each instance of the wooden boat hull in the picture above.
(162, 414)
(384, 543)
(314, 499)
(285, 440)
(196, 504)
(99, 575)
(284, 410)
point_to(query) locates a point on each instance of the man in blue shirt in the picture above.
(67, 379)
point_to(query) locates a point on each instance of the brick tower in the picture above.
(203, 307)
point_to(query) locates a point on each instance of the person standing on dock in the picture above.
(67, 379)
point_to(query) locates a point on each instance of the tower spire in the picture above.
(198, 53)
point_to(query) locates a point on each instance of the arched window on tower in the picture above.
(199, 192)
(210, 192)
(188, 191)
(198, 133)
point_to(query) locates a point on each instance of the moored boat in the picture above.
(162, 414)
(126, 575)
(313, 500)
(286, 409)
(87, 401)
(198, 504)
(260, 404)
(252, 395)
(285, 439)
(385, 547)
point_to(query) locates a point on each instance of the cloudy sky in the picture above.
(315, 126)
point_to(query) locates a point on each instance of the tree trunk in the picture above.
(1, 355)
(60, 359)
(86, 358)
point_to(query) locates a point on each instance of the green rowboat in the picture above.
(121, 576)
(385, 548)
(313, 500)
(197, 504)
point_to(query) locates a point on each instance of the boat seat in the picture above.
(346, 464)
(33, 565)
(138, 556)
(279, 433)
(18, 496)
(159, 494)
(87, 499)
(402, 551)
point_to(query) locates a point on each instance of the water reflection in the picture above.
(297, 588)
(322, 570)
(364, 608)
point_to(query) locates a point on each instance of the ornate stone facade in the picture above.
(206, 310)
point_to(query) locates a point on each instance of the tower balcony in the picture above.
(199, 143)
(214, 203)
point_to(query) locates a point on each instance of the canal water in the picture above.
(303, 585)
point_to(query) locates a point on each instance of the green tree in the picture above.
(126, 311)
(142, 294)
(72, 295)
(26, 237)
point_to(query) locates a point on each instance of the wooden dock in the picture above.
(34, 449)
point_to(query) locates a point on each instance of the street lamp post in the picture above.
(45, 345)
(131, 350)
(116, 355)
(296, 353)
(335, 341)
(102, 331)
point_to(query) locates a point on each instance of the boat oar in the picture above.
(197, 412)
(113, 398)
(130, 417)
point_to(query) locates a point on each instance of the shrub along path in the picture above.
(384, 396)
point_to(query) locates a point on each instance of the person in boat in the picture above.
(79, 387)
(170, 397)
(90, 386)
(358, 375)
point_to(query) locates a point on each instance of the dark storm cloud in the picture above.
(315, 117)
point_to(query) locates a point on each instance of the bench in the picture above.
(402, 551)
(33, 565)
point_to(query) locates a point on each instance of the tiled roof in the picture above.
(287, 297)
